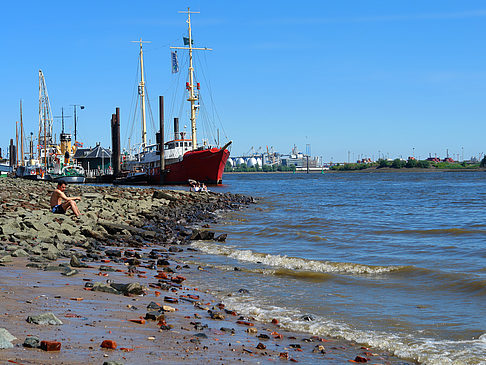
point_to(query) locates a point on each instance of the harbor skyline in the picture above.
(400, 79)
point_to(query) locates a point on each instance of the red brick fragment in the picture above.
(138, 321)
(178, 279)
(108, 344)
(360, 359)
(50, 346)
(284, 355)
(161, 275)
(275, 321)
(245, 323)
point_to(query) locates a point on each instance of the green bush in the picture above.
(411, 164)
(383, 163)
(423, 164)
(398, 164)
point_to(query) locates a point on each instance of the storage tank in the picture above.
(259, 161)
(240, 161)
(230, 161)
(251, 162)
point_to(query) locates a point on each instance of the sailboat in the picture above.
(184, 159)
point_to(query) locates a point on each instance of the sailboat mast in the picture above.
(141, 91)
(192, 97)
(21, 136)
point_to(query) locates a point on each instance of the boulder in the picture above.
(104, 288)
(46, 318)
(6, 339)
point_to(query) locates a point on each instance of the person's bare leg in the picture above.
(66, 206)
(75, 208)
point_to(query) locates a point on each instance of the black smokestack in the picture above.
(176, 128)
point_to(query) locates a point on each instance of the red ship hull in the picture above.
(201, 165)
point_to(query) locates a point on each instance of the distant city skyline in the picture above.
(348, 78)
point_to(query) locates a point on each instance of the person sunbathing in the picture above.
(57, 198)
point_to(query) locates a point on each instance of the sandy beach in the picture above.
(113, 277)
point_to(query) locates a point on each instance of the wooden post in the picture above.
(161, 145)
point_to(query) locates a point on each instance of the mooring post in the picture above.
(161, 145)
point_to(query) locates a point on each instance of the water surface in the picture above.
(393, 260)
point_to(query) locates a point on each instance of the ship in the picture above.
(182, 158)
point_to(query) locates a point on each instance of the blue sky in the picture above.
(395, 77)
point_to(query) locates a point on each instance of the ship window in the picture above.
(190, 143)
(185, 144)
(177, 144)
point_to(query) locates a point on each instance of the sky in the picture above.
(345, 79)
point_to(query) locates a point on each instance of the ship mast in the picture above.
(193, 97)
(45, 118)
(141, 92)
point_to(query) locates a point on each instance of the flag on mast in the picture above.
(186, 41)
(175, 63)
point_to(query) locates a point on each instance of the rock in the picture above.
(70, 272)
(6, 258)
(319, 348)
(107, 268)
(32, 342)
(46, 318)
(163, 262)
(10, 227)
(216, 315)
(221, 237)
(113, 253)
(167, 308)
(360, 359)
(6, 339)
(104, 288)
(19, 253)
(175, 249)
(307, 317)
(252, 330)
(261, 346)
(154, 316)
(153, 305)
(50, 346)
(129, 289)
(159, 194)
(108, 344)
(112, 363)
(75, 262)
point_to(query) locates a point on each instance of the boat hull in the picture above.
(201, 165)
(69, 179)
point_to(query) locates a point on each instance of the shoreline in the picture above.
(369, 171)
(128, 236)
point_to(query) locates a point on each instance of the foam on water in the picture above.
(407, 346)
(293, 263)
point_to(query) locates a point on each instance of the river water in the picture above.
(393, 260)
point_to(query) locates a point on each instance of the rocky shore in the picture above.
(108, 288)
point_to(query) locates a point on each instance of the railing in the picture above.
(99, 172)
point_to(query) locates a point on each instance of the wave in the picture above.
(293, 263)
(436, 231)
(315, 270)
(408, 346)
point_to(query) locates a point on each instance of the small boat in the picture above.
(71, 174)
